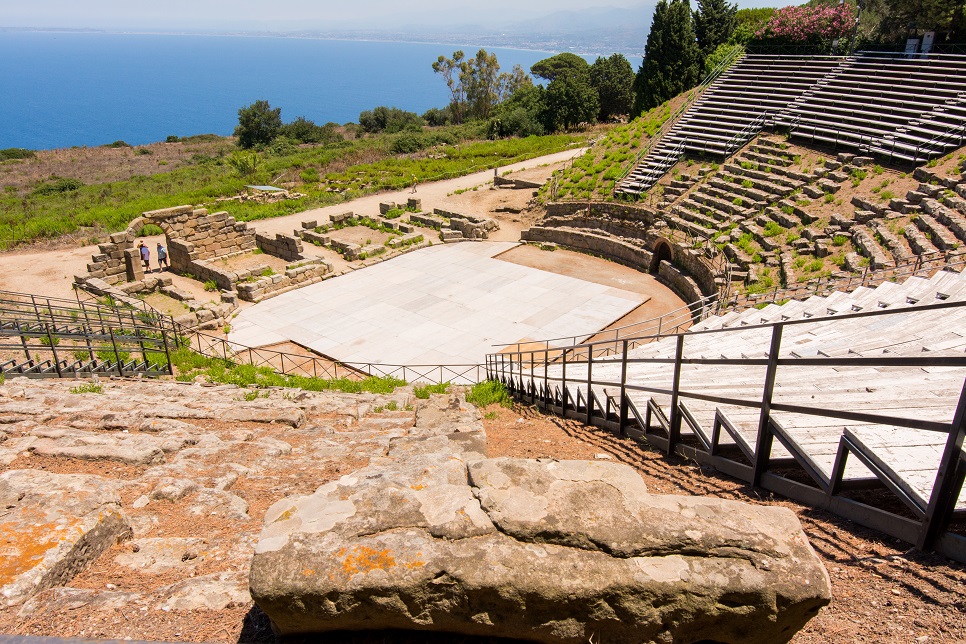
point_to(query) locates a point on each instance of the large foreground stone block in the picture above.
(550, 551)
(54, 526)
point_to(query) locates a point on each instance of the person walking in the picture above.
(162, 257)
(145, 257)
(413, 191)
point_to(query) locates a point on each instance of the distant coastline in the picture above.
(79, 87)
(545, 43)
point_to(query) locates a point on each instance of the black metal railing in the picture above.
(314, 365)
(567, 380)
(53, 337)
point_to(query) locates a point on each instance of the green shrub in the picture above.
(15, 153)
(772, 229)
(211, 285)
(58, 186)
(489, 392)
(839, 240)
(88, 388)
(108, 355)
(424, 391)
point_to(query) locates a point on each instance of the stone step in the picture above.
(865, 242)
(940, 236)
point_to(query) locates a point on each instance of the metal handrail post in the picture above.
(53, 350)
(167, 351)
(563, 384)
(546, 376)
(674, 431)
(117, 355)
(590, 397)
(942, 501)
(622, 414)
(765, 438)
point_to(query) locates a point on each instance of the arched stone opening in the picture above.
(662, 253)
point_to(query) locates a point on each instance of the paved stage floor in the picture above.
(446, 304)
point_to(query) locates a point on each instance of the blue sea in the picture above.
(75, 89)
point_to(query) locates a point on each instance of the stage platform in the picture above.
(447, 304)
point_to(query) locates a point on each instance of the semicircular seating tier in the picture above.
(888, 105)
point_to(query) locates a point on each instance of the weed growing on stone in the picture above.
(424, 391)
(488, 392)
(89, 388)
(190, 365)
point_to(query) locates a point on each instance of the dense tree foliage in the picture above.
(946, 17)
(749, 21)
(613, 80)
(258, 124)
(817, 26)
(714, 22)
(565, 63)
(303, 130)
(671, 56)
(522, 114)
(570, 100)
(389, 120)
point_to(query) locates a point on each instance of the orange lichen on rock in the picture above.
(363, 559)
(22, 547)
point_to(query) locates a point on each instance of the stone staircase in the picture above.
(891, 106)
(730, 113)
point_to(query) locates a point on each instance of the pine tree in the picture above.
(613, 78)
(714, 22)
(671, 56)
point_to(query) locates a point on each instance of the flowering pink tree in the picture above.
(805, 25)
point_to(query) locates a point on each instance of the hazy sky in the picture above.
(287, 14)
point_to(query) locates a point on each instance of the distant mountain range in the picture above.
(595, 30)
(589, 31)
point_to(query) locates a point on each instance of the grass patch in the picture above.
(190, 365)
(424, 391)
(347, 170)
(489, 392)
(88, 388)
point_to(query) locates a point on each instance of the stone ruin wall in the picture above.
(196, 235)
(626, 231)
(195, 238)
(191, 235)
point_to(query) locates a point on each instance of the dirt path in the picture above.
(50, 271)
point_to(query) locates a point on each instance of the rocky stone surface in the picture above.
(436, 537)
(143, 505)
(168, 488)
